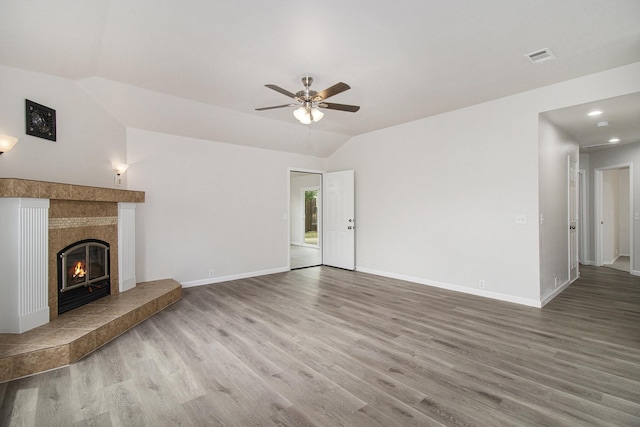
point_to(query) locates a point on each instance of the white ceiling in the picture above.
(622, 114)
(404, 60)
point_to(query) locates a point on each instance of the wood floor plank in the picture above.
(329, 347)
(153, 391)
(21, 403)
(86, 403)
(99, 420)
(53, 397)
(125, 408)
(381, 403)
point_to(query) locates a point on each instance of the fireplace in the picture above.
(83, 273)
(39, 219)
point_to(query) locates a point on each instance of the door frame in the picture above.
(288, 214)
(573, 202)
(583, 220)
(598, 206)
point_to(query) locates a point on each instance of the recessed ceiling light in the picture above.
(594, 113)
(601, 124)
(614, 140)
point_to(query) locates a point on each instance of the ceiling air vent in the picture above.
(539, 56)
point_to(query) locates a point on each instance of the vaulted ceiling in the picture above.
(198, 67)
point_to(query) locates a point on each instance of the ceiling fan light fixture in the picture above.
(306, 119)
(303, 115)
(316, 114)
(306, 114)
(299, 113)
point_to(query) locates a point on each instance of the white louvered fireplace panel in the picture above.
(33, 271)
(127, 246)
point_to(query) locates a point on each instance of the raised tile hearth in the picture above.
(75, 334)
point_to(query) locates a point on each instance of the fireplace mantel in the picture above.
(26, 188)
(38, 219)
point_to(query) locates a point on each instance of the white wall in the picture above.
(610, 216)
(554, 148)
(436, 199)
(297, 204)
(89, 140)
(209, 205)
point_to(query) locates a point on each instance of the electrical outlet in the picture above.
(212, 273)
(556, 282)
(481, 284)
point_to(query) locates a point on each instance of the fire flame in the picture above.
(79, 270)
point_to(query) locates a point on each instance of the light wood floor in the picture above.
(304, 256)
(622, 263)
(327, 347)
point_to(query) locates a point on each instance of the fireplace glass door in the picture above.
(83, 273)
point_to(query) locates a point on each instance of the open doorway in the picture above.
(305, 219)
(613, 222)
(607, 133)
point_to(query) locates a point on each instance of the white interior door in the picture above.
(338, 249)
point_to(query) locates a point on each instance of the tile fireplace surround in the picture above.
(62, 214)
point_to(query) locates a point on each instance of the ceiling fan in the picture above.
(309, 101)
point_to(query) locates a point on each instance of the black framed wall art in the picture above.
(40, 120)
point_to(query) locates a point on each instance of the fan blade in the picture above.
(277, 106)
(282, 91)
(341, 107)
(333, 90)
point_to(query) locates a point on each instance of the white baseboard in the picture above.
(635, 272)
(127, 284)
(452, 287)
(32, 320)
(561, 287)
(212, 280)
